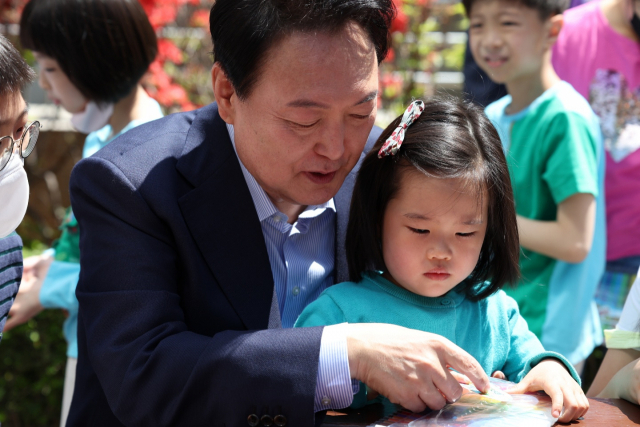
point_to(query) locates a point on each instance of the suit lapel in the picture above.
(222, 219)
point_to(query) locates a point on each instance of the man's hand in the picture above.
(553, 377)
(27, 302)
(410, 367)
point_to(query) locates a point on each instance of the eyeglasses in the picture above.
(7, 143)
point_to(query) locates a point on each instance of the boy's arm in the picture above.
(568, 238)
(573, 158)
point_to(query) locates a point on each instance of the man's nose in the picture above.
(332, 142)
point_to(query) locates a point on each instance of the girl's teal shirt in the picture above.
(59, 286)
(491, 330)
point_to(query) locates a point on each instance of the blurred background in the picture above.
(427, 56)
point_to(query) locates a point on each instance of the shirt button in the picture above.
(326, 401)
(277, 218)
(445, 302)
(296, 291)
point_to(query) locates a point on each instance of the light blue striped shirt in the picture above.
(302, 258)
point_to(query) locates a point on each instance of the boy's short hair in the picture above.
(15, 73)
(450, 139)
(103, 46)
(243, 31)
(546, 8)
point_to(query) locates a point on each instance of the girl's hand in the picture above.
(499, 375)
(553, 377)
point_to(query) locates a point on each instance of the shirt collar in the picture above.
(263, 204)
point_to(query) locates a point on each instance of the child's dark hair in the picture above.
(14, 71)
(546, 8)
(103, 46)
(451, 139)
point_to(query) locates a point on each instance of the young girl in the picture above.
(91, 56)
(432, 238)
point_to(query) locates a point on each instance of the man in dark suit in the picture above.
(204, 233)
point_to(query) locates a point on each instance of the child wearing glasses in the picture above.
(17, 139)
(432, 238)
(91, 55)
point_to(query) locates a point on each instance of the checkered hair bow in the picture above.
(393, 143)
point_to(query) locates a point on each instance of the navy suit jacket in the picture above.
(178, 322)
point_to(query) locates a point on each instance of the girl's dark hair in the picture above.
(14, 71)
(103, 46)
(451, 139)
(243, 31)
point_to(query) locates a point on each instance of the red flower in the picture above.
(167, 50)
(200, 18)
(391, 55)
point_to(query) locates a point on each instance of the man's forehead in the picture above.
(12, 106)
(341, 61)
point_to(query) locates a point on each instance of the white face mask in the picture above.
(14, 195)
(92, 118)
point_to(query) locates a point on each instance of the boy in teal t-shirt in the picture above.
(556, 162)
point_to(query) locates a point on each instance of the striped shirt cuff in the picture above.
(334, 387)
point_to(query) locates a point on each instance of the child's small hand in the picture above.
(552, 376)
(499, 375)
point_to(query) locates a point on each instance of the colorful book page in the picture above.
(490, 409)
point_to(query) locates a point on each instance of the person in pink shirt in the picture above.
(598, 52)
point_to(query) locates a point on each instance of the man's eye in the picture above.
(418, 230)
(302, 126)
(509, 23)
(49, 69)
(466, 234)
(18, 133)
(361, 117)
(475, 25)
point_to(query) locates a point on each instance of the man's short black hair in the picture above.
(243, 31)
(103, 46)
(452, 139)
(546, 8)
(15, 73)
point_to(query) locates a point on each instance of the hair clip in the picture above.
(393, 143)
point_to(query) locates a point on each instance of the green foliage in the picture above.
(32, 363)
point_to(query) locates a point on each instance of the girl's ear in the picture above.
(224, 93)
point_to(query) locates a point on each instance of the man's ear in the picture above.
(556, 22)
(224, 92)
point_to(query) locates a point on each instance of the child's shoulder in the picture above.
(497, 107)
(561, 108)
(566, 101)
(499, 302)
(580, 16)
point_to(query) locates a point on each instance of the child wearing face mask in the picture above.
(91, 55)
(17, 140)
(598, 52)
(432, 238)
